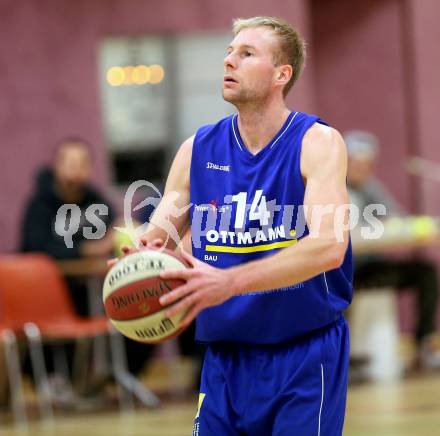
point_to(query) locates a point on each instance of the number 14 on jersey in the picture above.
(258, 210)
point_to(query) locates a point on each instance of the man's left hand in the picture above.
(205, 286)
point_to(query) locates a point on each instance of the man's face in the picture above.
(72, 167)
(249, 66)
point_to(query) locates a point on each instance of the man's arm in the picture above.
(324, 167)
(171, 216)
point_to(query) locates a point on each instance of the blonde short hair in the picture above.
(292, 48)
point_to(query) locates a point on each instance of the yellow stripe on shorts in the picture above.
(201, 398)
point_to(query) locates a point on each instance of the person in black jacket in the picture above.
(67, 184)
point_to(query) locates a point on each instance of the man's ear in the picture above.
(285, 73)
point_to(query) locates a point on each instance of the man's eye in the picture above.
(247, 53)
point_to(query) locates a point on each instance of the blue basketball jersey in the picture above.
(245, 207)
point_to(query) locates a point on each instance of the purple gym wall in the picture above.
(373, 64)
(48, 75)
(360, 79)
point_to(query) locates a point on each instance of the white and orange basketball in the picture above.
(131, 293)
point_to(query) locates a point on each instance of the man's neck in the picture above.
(259, 123)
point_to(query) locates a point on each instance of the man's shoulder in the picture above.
(42, 195)
(322, 146)
(320, 131)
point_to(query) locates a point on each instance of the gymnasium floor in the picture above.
(407, 408)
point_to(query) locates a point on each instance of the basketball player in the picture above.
(268, 297)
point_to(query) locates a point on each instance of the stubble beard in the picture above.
(242, 98)
(246, 99)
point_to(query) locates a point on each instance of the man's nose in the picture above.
(229, 61)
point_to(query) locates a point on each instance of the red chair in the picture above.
(35, 303)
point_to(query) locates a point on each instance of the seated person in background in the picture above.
(377, 271)
(68, 182)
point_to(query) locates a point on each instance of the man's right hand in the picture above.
(155, 244)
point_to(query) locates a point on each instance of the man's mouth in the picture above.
(229, 79)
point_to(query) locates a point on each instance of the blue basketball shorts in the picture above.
(295, 389)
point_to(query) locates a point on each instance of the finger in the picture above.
(183, 274)
(188, 257)
(155, 243)
(112, 262)
(127, 250)
(191, 315)
(145, 242)
(176, 294)
(182, 305)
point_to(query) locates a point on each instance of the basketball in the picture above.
(131, 292)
